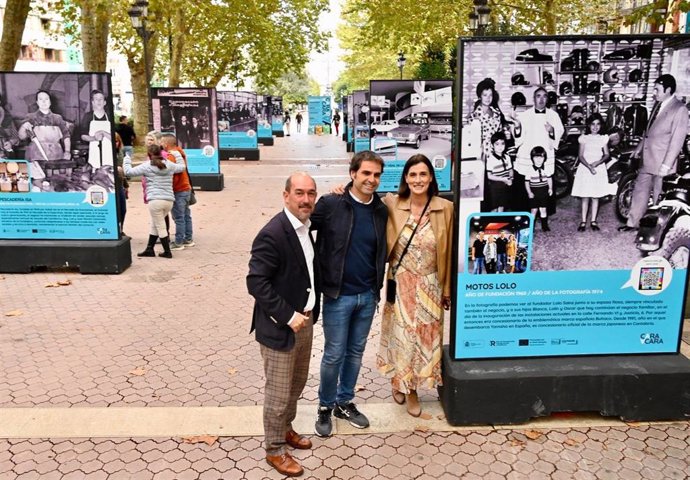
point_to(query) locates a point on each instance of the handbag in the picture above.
(391, 284)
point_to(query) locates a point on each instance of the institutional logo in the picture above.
(651, 338)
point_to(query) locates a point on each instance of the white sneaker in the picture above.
(188, 243)
(176, 246)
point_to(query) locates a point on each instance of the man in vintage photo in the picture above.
(660, 146)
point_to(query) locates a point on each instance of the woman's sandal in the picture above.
(582, 227)
(398, 397)
(594, 225)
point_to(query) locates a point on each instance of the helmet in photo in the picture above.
(566, 88)
(594, 87)
(518, 79)
(609, 95)
(518, 99)
(593, 66)
(611, 76)
(636, 76)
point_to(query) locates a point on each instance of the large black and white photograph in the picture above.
(590, 136)
(407, 117)
(188, 113)
(360, 117)
(237, 111)
(62, 125)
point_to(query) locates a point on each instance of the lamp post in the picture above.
(401, 63)
(138, 14)
(479, 17)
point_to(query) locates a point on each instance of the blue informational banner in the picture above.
(350, 124)
(277, 114)
(191, 115)
(360, 115)
(57, 170)
(264, 129)
(319, 111)
(410, 117)
(237, 120)
(549, 260)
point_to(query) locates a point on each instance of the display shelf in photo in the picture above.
(191, 115)
(418, 113)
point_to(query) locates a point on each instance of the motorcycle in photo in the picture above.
(665, 227)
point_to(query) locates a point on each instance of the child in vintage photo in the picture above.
(539, 186)
(499, 171)
(591, 178)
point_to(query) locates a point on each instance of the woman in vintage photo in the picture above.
(47, 132)
(419, 237)
(487, 113)
(95, 129)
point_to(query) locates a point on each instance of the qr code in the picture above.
(651, 278)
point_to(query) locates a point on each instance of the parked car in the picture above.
(412, 131)
(441, 125)
(383, 126)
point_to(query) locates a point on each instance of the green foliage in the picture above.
(657, 13)
(432, 64)
(294, 88)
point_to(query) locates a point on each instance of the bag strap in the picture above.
(402, 255)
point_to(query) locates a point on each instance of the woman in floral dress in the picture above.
(488, 114)
(412, 326)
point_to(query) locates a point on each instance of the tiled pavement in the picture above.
(171, 333)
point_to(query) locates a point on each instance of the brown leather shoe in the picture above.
(413, 406)
(295, 440)
(285, 464)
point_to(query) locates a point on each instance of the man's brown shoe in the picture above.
(295, 440)
(285, 464)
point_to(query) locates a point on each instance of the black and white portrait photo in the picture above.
(238, 110)
(188, 113)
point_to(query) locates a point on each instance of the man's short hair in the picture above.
(288, 182)
(365, 156)
(169, 138)
(539, 89)
(123, 118)
(667, 81)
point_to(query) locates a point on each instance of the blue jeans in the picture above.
(502, 262)
(182, 217)
(478, 265)
(346, 324)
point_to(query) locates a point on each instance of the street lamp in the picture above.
(138, 14)
(479, 17)
(401, 63)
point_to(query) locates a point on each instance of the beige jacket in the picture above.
(441, 218)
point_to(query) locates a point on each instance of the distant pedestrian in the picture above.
(336, 122)
(127, 134)
(182, 188)
(286, 122)
(159, 192)
(298, 119)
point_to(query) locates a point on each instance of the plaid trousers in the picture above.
(286, 375)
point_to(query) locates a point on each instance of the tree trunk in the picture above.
(95, 25)
(16, 12)
(140, 109)
(179, 35)
(550, 17)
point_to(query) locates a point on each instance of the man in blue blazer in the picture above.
(662, 142)
(283, 279)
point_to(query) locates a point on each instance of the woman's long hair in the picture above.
(156, 156)
(404, 188)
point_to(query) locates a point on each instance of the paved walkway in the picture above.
(103, 377)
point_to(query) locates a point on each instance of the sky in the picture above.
(326, 67)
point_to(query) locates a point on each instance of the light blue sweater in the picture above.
(158, 182)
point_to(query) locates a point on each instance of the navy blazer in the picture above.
(278, 280)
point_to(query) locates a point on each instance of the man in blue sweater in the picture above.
(351, 246)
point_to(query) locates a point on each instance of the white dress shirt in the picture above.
(302, 231)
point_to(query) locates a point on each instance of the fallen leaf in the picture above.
(421, 428)
(441, 416)
(633, 424)
(232, 371)
(207, 439)
(425, 416)
(517, 443)
(14, 313)
(197, 277)
(139, 371)
(51, 285)
(64, 283)
(359, 388)
(2, 277)
(571, 442)
(533, 434)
